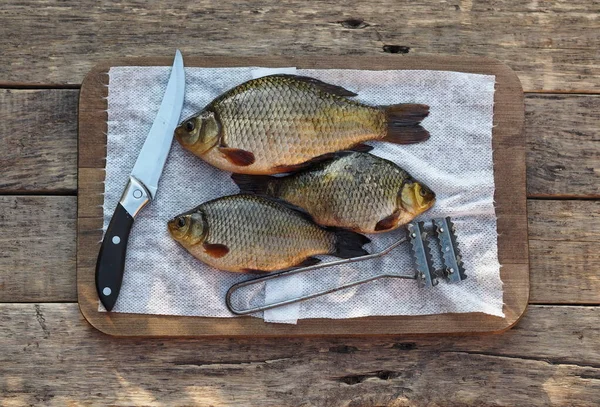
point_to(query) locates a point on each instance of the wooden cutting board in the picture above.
(510, 197)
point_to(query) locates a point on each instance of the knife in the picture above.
(141, 188)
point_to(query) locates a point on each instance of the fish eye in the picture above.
(422, 192)
(181, 222)
(190, 125)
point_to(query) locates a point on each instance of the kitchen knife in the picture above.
(141, 188)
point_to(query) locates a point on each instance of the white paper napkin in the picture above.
(162, 278)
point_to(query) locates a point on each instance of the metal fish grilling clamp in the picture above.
(442, 230)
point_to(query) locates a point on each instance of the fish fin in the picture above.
(310, 261)
(403, 123)
(215, 250)
(297, 167)
(301, 211)
(388, 223)
(349, 244)
(361, 148)
(254, 271)
(319, 159)
(237, 156)
(253, 184)
(324, 86)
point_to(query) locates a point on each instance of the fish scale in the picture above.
(246, 232)
(292, 126)
(353, 190)
(279, 123)
(424, 273)
(253, 228)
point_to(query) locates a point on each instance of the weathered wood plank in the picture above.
(38, 140)
(565, 272)
(564, 148)
(576, 221)
(90, 204)
(51, 356)
(37, 259)
(561, 132)
(552, 45)
(563, 251)
(37, 262)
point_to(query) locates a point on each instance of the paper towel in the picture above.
(162, 278)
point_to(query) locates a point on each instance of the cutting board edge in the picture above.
(94, 86)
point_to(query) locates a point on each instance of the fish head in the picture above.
(189, 228)
(416, 197)
(199, 133)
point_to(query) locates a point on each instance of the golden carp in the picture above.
(279, 123)
(353, 190)
(247, 233)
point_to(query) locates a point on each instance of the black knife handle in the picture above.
(111, 259)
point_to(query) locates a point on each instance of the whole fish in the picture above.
(247, 233)
(353, 190)
(279, 123)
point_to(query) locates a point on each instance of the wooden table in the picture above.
(49, 355)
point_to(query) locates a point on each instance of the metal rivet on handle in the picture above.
(106, 291)
(137, 194)
(116, 240)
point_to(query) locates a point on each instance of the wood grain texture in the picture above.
(572, 221)
(37, 259)
(552, 45)
(568, 272)
(510, 196)
(563, 145)
(561, 131)
(90, 198)
(564, 253)
(39, 151)
(51, 356)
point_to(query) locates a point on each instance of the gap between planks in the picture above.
(47, 86)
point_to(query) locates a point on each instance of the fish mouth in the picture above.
(425, 197)
(188, 228)
(192, 142)
(429, 205)
(176, 231)
(417, 198)
(184, 137)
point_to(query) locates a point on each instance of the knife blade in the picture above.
(140, 189)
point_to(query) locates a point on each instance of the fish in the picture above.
(281, 123)
(353, 190)
(249, 233)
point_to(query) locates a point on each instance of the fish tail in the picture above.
(254, 184)
(403, 123)
(349, 244)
